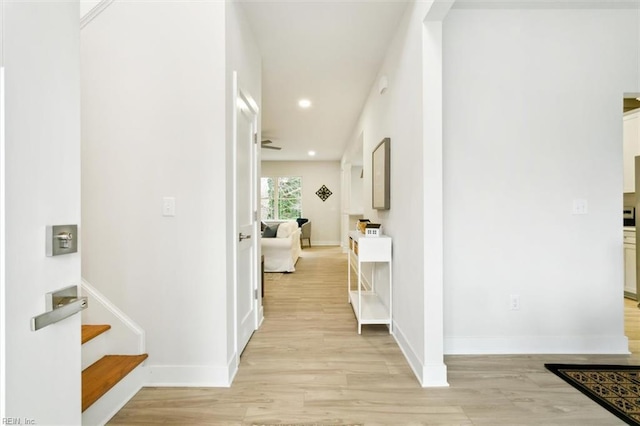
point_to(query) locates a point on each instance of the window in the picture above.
(267, 198)
(281, 198)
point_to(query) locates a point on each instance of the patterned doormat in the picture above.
(614, 387)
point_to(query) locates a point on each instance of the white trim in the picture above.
(234, 222)
(407, 350)
(93, 13)
(276, 194)
(238, 93)
(429, 375)
(315, 243)
(190, 375)
(101, 411)
(3, 265)
(96, 296)
(605, 345)
(232, 369)
(255, 205)
(434, 371)
(434, 376)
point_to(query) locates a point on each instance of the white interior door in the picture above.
(246, 264)
(40, 186)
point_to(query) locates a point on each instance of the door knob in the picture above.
(61, 239)
(241, 237)
(64, 238)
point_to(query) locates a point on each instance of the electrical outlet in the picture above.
(514, 302)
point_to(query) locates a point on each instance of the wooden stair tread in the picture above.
(104, 374)
(90, 331)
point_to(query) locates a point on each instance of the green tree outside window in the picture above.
(281, 198)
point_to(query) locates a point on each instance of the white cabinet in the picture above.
(630, 264)
(369, 306)
(630, 148)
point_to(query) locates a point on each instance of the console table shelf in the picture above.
(368, 306)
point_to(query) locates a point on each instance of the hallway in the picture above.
(307, 365)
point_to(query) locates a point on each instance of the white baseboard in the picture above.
(429, 375)
(260, 315)
(597, 345)
(111, 402)
(314, 243)
(407, 350)
(190, 376)
(434, 376)
(232, 369)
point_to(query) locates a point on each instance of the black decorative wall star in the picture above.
(323, 193)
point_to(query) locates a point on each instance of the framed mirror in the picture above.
(380, 175)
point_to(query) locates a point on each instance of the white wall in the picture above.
(153, 125)
(41, 176)
(356, 202)
(243, 57)
(325, 215)
(532, 121)
(398, 114)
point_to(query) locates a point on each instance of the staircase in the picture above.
(109, 381)
(104, 374)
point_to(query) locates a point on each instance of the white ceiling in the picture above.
(330, 51)
(546, 4)
(326, 51)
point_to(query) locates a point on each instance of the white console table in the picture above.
(367, 305)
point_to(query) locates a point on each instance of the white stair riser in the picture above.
(106, 407)
(95, 349)
(106, 343)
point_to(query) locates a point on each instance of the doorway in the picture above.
(245, 208)
(630, 150)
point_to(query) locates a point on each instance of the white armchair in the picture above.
(281, 253)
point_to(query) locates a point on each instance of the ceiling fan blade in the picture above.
(271, 147)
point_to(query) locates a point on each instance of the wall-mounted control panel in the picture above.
(62, 239)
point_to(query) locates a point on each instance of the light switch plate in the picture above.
(61, 239)
(168, 206)
(580, 206)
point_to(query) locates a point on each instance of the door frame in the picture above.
(239, 93)
(3, 355)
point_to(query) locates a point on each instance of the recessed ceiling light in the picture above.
(311, 153)
(304, 103)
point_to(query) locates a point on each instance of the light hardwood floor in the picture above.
(307, 365)
(632, 325)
